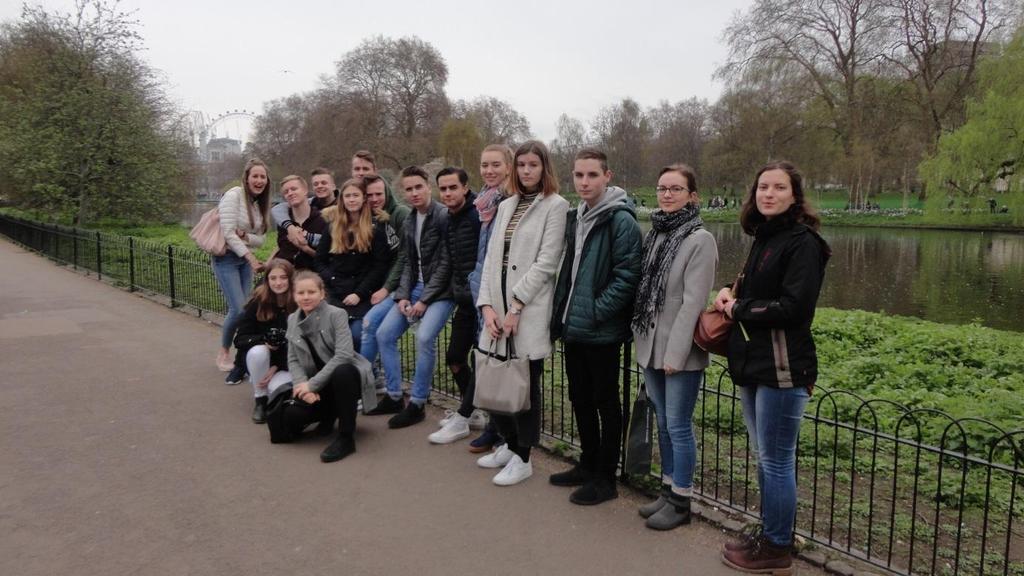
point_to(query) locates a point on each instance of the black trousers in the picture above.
(340, 398)
(463, 335)
(593, 372)
(522, 430)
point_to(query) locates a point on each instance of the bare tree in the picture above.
(497, 122)
(834, 42)
(623, 132)
(936, 46)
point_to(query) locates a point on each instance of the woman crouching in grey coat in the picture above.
(323, 364)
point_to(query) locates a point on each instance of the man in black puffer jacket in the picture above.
(424, 295)
(463, 238)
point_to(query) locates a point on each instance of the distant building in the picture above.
(220, 149)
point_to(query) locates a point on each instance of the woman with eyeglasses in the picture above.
(680, 258)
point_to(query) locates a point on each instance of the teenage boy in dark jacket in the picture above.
(463, 238)
(424, 295)
(592, 309)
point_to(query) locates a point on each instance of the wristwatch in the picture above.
(515, 311)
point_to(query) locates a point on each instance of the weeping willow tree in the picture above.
(981, 164)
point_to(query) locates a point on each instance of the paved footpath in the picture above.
(122, 452)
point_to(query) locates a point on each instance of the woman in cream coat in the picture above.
(516, 293)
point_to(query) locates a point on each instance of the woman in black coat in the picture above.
(772, 358)
(260, 338)
(353, 256)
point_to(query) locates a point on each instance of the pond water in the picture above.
(945, 276)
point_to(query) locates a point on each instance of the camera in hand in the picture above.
(275, 337)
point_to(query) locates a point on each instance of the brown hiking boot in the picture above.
(750, 534)
(761, 558)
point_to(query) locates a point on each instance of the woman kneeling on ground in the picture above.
(260, 339)
(679, 270)
(323, 364)
(772, 359)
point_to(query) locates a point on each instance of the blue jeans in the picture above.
(234, 275)
(371, 322)
(674, 397)
(355, 326)
(773, 423)
(391, 329)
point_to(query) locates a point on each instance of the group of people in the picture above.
(514, 268)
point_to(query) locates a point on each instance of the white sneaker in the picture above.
(514, 472)
(496, 459)
(447, 418)
(456, 428)
(380, 384)
(478, 420)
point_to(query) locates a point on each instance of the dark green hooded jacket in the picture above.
(597, 306)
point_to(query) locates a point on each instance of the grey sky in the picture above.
(543, 57)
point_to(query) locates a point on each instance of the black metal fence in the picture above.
(910, 491)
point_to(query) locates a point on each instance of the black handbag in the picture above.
(287, 416)
(639, 435)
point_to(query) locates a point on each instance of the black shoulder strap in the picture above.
(316, 357)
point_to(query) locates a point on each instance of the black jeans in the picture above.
(340, 398)
(462, 336)
(593, 372)
(522, 430)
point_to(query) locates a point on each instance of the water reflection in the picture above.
(944, 276)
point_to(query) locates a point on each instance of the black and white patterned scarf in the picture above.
(651, 294)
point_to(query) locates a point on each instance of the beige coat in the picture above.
(670, 339)
(232, 211)
(533, 259)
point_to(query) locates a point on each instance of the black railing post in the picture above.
(170, 273)
(627, 363)
(74, 247)
(131, 264)
(99, 257)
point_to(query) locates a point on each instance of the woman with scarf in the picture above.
(495, 167)
(680, 257)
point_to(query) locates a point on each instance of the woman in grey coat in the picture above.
(324, 365)
(680, 257)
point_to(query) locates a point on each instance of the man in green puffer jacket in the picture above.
(592, 310)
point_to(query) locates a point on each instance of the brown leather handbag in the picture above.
(711, 333)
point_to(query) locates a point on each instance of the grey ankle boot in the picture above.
(675, 512)
(648, 510)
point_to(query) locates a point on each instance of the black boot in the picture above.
(598, 489)
(342, 446)
(575, 476)
(259, 411)
(674, 513)
(387, 405)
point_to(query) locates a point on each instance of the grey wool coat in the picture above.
(669, 339)
(326, 327)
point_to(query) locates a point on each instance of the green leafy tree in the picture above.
(984, 158)
(86, 131)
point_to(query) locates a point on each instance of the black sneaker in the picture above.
(236, 375)
(412, 414)
(576, 476)
(594, 492)
(387, 405)
(341, 447)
